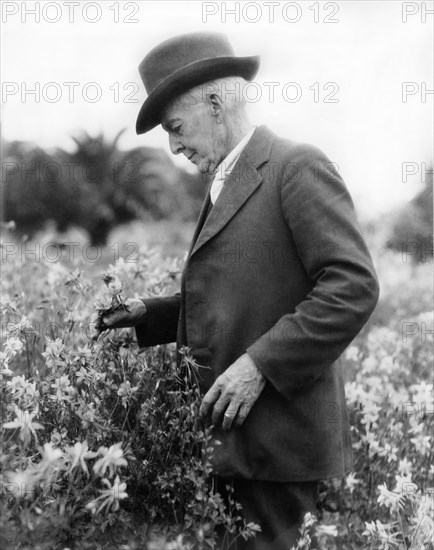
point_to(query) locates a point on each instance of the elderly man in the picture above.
(277, 282)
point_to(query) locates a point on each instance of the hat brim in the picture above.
(188, 77)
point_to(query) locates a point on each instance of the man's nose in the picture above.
(175, 145)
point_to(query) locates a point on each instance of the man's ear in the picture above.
(216, 105)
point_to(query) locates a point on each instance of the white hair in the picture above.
(230, 89)
(231, 92)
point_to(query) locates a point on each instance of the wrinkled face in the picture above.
(195, 129)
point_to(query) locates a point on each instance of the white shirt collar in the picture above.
(225, 167)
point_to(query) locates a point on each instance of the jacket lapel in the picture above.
(241, 183)
(201, 220)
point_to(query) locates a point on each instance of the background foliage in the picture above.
(95, 187)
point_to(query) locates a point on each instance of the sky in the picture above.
(352, 78)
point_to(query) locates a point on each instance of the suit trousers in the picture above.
(278, 508)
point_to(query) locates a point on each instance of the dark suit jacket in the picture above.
(280, 270)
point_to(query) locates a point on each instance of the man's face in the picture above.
(195, 130)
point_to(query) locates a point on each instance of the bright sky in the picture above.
(363, 57)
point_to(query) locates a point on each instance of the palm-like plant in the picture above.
(96, 187)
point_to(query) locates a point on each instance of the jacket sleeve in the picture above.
(320, 215)
(161, 321)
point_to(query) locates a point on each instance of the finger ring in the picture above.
(227, 414)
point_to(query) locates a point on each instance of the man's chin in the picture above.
(205, 167)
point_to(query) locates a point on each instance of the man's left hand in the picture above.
(233, 393)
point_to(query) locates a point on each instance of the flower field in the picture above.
(103, 447)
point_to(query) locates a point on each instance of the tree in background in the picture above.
(96, 187)
(412, 232)
(34, 189)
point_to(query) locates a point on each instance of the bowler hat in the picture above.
(183, 62)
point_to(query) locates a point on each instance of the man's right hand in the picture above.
(134, 314)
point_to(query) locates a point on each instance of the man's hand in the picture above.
(133, 314)
(233, 393)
